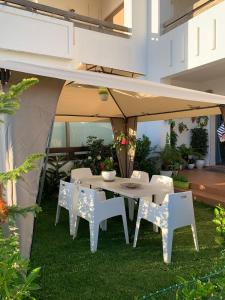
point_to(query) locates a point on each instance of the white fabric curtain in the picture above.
(24, 134)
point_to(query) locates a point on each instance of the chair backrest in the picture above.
(140, 175)
(87, 202)
(180, 209)
(67, 191)
(165, 183)
(77, 174)
(67, 168)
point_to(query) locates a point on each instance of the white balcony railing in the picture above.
(44, 35)
(195, 43)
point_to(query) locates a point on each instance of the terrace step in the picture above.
(217, 189)
(205, 197)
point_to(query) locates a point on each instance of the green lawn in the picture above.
(116, 270)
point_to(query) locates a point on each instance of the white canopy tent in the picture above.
(151, 101)
(130, 100)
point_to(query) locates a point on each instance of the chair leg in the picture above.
(57, 214)
(75, 226)
(125, 227)
(167, 240)
(94, 229)
(71, 222)
(136, 231)
(131, 205)
(195, 237)
(103, 225)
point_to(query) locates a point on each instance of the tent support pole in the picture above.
(42, 182)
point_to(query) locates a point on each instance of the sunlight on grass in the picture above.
(116, 270)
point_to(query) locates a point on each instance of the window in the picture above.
(80, 131)
(58, 135)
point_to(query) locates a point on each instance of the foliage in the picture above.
(170, 157)
(107, 164)
(202, 289)
(15, 281)
(97, 153)
(201, 121)
(143, 160)
(9, 101)
(124, 140)
(173, 134)
(54, 173)
(182, 127)
(199, 140)
(219, 221)
(14, 210)
(103, 90)
(28, 165)
(180, 178)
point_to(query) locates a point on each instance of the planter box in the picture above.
(181, 185)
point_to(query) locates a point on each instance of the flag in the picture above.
(221, 133)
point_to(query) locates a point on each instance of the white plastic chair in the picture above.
(95, 210)
(67, 168)
(176, 211)
(166, 183)
(67, 191)
(79, 173)
(142, 177)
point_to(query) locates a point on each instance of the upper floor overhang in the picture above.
(44, 35)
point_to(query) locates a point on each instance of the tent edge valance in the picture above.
(114, 81)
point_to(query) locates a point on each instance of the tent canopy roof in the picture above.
(82, 103)
(128, 96)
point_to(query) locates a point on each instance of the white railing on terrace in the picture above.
(78, 20)
(199, 7)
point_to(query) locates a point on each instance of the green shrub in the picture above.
(180, 178)
(199, 140)
(143, 160)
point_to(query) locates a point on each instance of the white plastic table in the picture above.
(144, 190)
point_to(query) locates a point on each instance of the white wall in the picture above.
(66, 49)
(156, 131)
(194, 43)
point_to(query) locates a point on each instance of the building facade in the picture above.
(179, 42)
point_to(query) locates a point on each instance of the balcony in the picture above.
(66, 38)
(195, 43)
(183, 11)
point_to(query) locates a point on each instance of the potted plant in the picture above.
(181, 182)
(191, 163)
(171, 160)
(103, 93)
(108, 172)
(200, 162)
(199, 142)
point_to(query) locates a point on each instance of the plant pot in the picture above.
(104, 96)
(109, 175)
(200, 163)
(166, 173)
(181, 185)
(191, 166)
